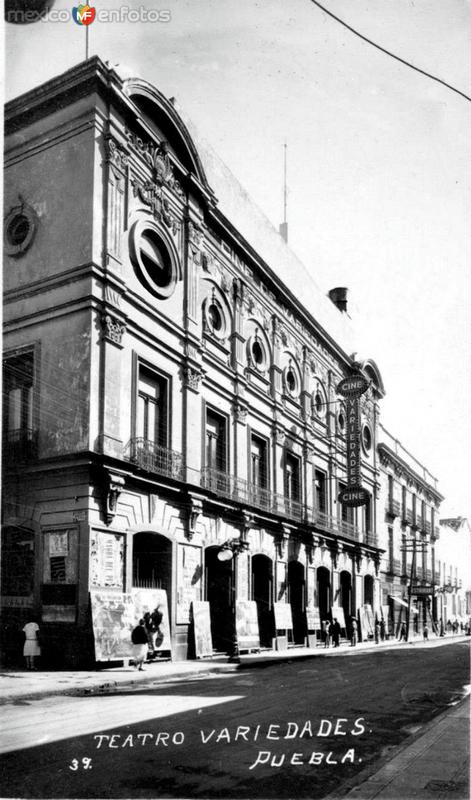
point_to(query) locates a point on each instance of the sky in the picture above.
(378, 161)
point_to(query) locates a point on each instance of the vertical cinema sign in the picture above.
(351, 389)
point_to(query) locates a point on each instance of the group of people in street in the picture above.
(147, 637)
(331, 632)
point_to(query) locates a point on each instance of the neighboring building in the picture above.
(410, 521)
(169, 382)
(453, 571)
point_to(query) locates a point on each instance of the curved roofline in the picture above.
(372, 367)
(133, 87)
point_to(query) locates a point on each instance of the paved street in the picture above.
(300, 729)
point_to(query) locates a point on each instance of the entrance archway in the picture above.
(262, 593)
(346, 597)
(323, 592)
(152, 562)
(219, 583)
(368, 590)
(296, 596)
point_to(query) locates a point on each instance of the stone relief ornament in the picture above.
(158, 158)
(152, 195)
(115, 154)
(192, 378)
(113, 329)
(196, 242)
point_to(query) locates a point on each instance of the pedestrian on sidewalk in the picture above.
(354, 632)
(335, 632)
(425, 633)
(326, 633)
(403, 633)
(32, 648)
(377, 631)
(442, 629)
(140, 644)
(382, 629)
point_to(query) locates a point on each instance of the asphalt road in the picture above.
(283, 731)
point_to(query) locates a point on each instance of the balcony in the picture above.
(428, 575)
(19, 447)
(154, 458)
(407, 516)
(393, 507)
(417, 524)
(395, 566)
(241, 491)
(427, 527)
(436, 533)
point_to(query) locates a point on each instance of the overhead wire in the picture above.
(388, 52)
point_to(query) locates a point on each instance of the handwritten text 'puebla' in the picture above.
(252, 733)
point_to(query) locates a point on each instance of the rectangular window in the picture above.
(404, 502)
(346, 513)
(320, 490)
(216, 441)
(152, 407)
(258, 462)
(292, 477)
(19, 438)
(391, 548)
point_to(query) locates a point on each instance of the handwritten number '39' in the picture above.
(86, 763)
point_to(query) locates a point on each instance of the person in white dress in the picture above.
(31, 647)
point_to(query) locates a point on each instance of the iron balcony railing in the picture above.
(155, 458)
(394, 507)
(428, 576)
(407, 516)
(395, 566)
(19, 446)
(241, 491)
(427, 527)
(436, 532)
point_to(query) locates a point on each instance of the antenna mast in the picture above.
(284, 224)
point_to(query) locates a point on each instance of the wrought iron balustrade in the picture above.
(241, 491)
(394, 507)
(427, 527)
(407, 516)
(19, 446)
(153, 457)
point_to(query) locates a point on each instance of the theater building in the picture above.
(170, 374)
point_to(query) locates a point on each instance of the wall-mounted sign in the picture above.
(421, 590)
(354, 496)
(58, 543)
(353, 386)
(353, 441)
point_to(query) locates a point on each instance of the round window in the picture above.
(215, 317)
(19, 230)
(341, 421)
(257, 353)
(151, 260)
(291, 381)
(319, 405)
(367, 438)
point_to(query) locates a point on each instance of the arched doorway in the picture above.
(152, 562)
(323, 592)
(368, 590)
(262, 593)
(346, 597)
(296, 597)
(219, 582)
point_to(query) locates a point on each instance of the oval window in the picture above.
(152, 260)
(215, 317)
(367, 438)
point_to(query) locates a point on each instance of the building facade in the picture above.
(170, 374)
(425, 558)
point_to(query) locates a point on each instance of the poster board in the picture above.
(337, 613)
(283, 616)
(386, 614)
(202, 628)
(115, 614)
(366, 622)
(247, 631)
(313, 618)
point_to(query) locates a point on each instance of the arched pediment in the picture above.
(160, 114)
(370, 369)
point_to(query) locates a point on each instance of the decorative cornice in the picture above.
(388, 458)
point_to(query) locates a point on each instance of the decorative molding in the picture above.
(196, 244)
(153, 196)
(192, 378)
(113, 329)
(281, 540)
(158, 158)
(240, 411)
(115, 154)
(113, 486)
(194, 511)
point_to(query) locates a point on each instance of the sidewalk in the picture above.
(433, 767)
(18, 684)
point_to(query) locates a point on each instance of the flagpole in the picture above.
(86, 42)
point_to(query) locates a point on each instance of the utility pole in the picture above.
(412, 576)
(284, 224)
